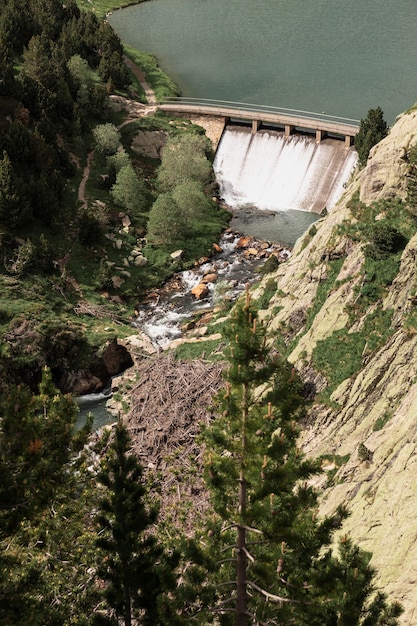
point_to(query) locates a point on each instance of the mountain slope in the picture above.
(345, 314)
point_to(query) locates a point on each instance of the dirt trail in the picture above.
(86, 174)
(138, 72)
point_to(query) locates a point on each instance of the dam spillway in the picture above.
(273, 172)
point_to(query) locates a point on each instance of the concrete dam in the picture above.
(278, 159)
(275, 172)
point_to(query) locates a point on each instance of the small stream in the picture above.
(163, 314)
(231, 269)
(95, 403)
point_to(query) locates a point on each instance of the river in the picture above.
(161, 318)
(341, 57)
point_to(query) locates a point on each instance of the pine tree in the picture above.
(357, 600)
(44, 551)
(36, 440)
(268, 553)
(14, 206)
(371, 131)
(137, 572)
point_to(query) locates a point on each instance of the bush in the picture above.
(384, 241)
(270, 265)
(92, 223)
(107, 138)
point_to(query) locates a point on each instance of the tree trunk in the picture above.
(241, 562)
(241, 559)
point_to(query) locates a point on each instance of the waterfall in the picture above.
(278, 173)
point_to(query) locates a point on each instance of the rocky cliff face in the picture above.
(351, 331)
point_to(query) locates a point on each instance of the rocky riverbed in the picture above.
(214, 282)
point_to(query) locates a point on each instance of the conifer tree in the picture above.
(36, 439)
(268, 552)
(40, 489)
(134, 566)
(14, 206)
(371, 131)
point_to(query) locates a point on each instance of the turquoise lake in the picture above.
(341, 57)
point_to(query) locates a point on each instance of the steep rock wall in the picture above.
(370, 418)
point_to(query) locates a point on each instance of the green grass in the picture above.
(323, 290)
(340, 356)
(410, 323)
(101, 7)
(267, 294)
(381, 421)
(163, 86)
(210, 350)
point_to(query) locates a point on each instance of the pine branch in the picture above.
(237, 525)
(271, 596)
(249, 556)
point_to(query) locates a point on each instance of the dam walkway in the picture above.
(290, 120)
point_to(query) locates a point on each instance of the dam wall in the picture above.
(276, 172)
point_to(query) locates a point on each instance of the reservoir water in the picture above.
(341, 57)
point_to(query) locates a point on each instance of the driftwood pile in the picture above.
(168, 405)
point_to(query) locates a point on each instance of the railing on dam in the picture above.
(290, 119)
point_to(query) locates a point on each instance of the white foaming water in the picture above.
(164, 327)
(278, 173)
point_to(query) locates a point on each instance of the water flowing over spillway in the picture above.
(278, 173)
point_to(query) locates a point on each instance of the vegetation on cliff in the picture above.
(112, 563)
(371, 131)
(269, 554)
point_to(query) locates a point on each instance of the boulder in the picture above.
(87, 383)
(200, 291)
(251, 252)
(117, 281)
(115, 358)
(126, 221)
(140, 261)
(177, 255)
(243, 242)
(209, 278)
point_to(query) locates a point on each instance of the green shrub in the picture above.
(270, 265)
(379, 274)
(384, 241)
(363, 453)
